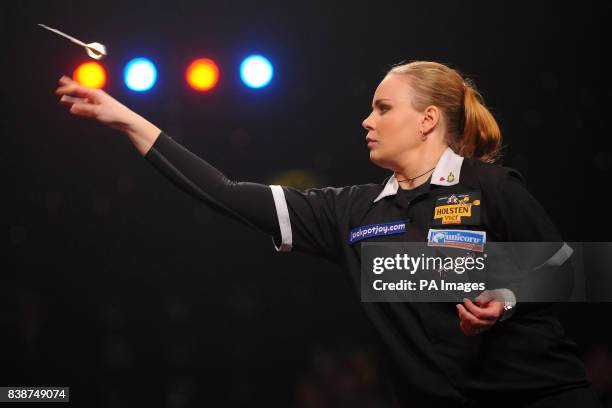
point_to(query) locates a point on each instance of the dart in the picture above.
(94, 50)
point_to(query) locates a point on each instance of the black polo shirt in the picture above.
(431, 357)
(432, 360)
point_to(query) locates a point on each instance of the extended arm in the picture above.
(250, 203)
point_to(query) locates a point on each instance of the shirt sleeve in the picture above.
(541, 256)
(249, 203)
(309, 219)
(302, 221)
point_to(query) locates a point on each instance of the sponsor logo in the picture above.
(460, 208)
(465, 239)
(374, 230)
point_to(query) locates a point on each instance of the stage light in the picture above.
(256, 71)
(140, 74)
(90, 74)
(202, 74)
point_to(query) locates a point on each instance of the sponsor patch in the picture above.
(460, 208)
(466, 239)
(374, 230)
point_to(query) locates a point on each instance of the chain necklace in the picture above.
(414, 178)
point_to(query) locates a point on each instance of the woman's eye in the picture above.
(383, 108)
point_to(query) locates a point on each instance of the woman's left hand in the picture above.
(480, 316)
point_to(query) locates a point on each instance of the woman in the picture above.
(428, 126)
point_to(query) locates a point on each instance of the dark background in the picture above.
(128, 290)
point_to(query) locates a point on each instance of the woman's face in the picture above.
(393, 126)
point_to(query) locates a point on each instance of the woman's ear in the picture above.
(431, 117)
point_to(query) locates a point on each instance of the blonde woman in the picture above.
(430, 128)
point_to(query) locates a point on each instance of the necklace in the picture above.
(414, 178)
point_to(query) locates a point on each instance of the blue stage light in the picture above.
(256, 71)
(140, 74)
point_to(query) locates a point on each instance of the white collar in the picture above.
(446, 173)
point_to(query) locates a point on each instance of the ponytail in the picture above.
(471, 129)
(481, 133)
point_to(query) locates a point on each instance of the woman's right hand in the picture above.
(94, 103)
(97, 104)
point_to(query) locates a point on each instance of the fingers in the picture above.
(481, 312)
(81, 104)
(76, 89)
(465, 315)
(475, 319)
(470, 324)
(68, 86)
(483, 298)
(69, 100)
(84, 109)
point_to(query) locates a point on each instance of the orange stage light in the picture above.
(202, 74)
(90, 74)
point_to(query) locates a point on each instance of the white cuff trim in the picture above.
(559, 257)
(283, 219)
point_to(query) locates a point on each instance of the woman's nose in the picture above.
(366, 124)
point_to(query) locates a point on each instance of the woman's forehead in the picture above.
(392, 88)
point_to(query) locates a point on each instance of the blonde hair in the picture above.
(471, 129)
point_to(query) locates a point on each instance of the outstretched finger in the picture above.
(84, 109)
(69, 100)
(65, 80)
(76, 89)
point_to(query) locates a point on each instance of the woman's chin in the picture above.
(375, 157)
(380, 160)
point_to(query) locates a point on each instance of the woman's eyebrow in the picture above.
(379, 100)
